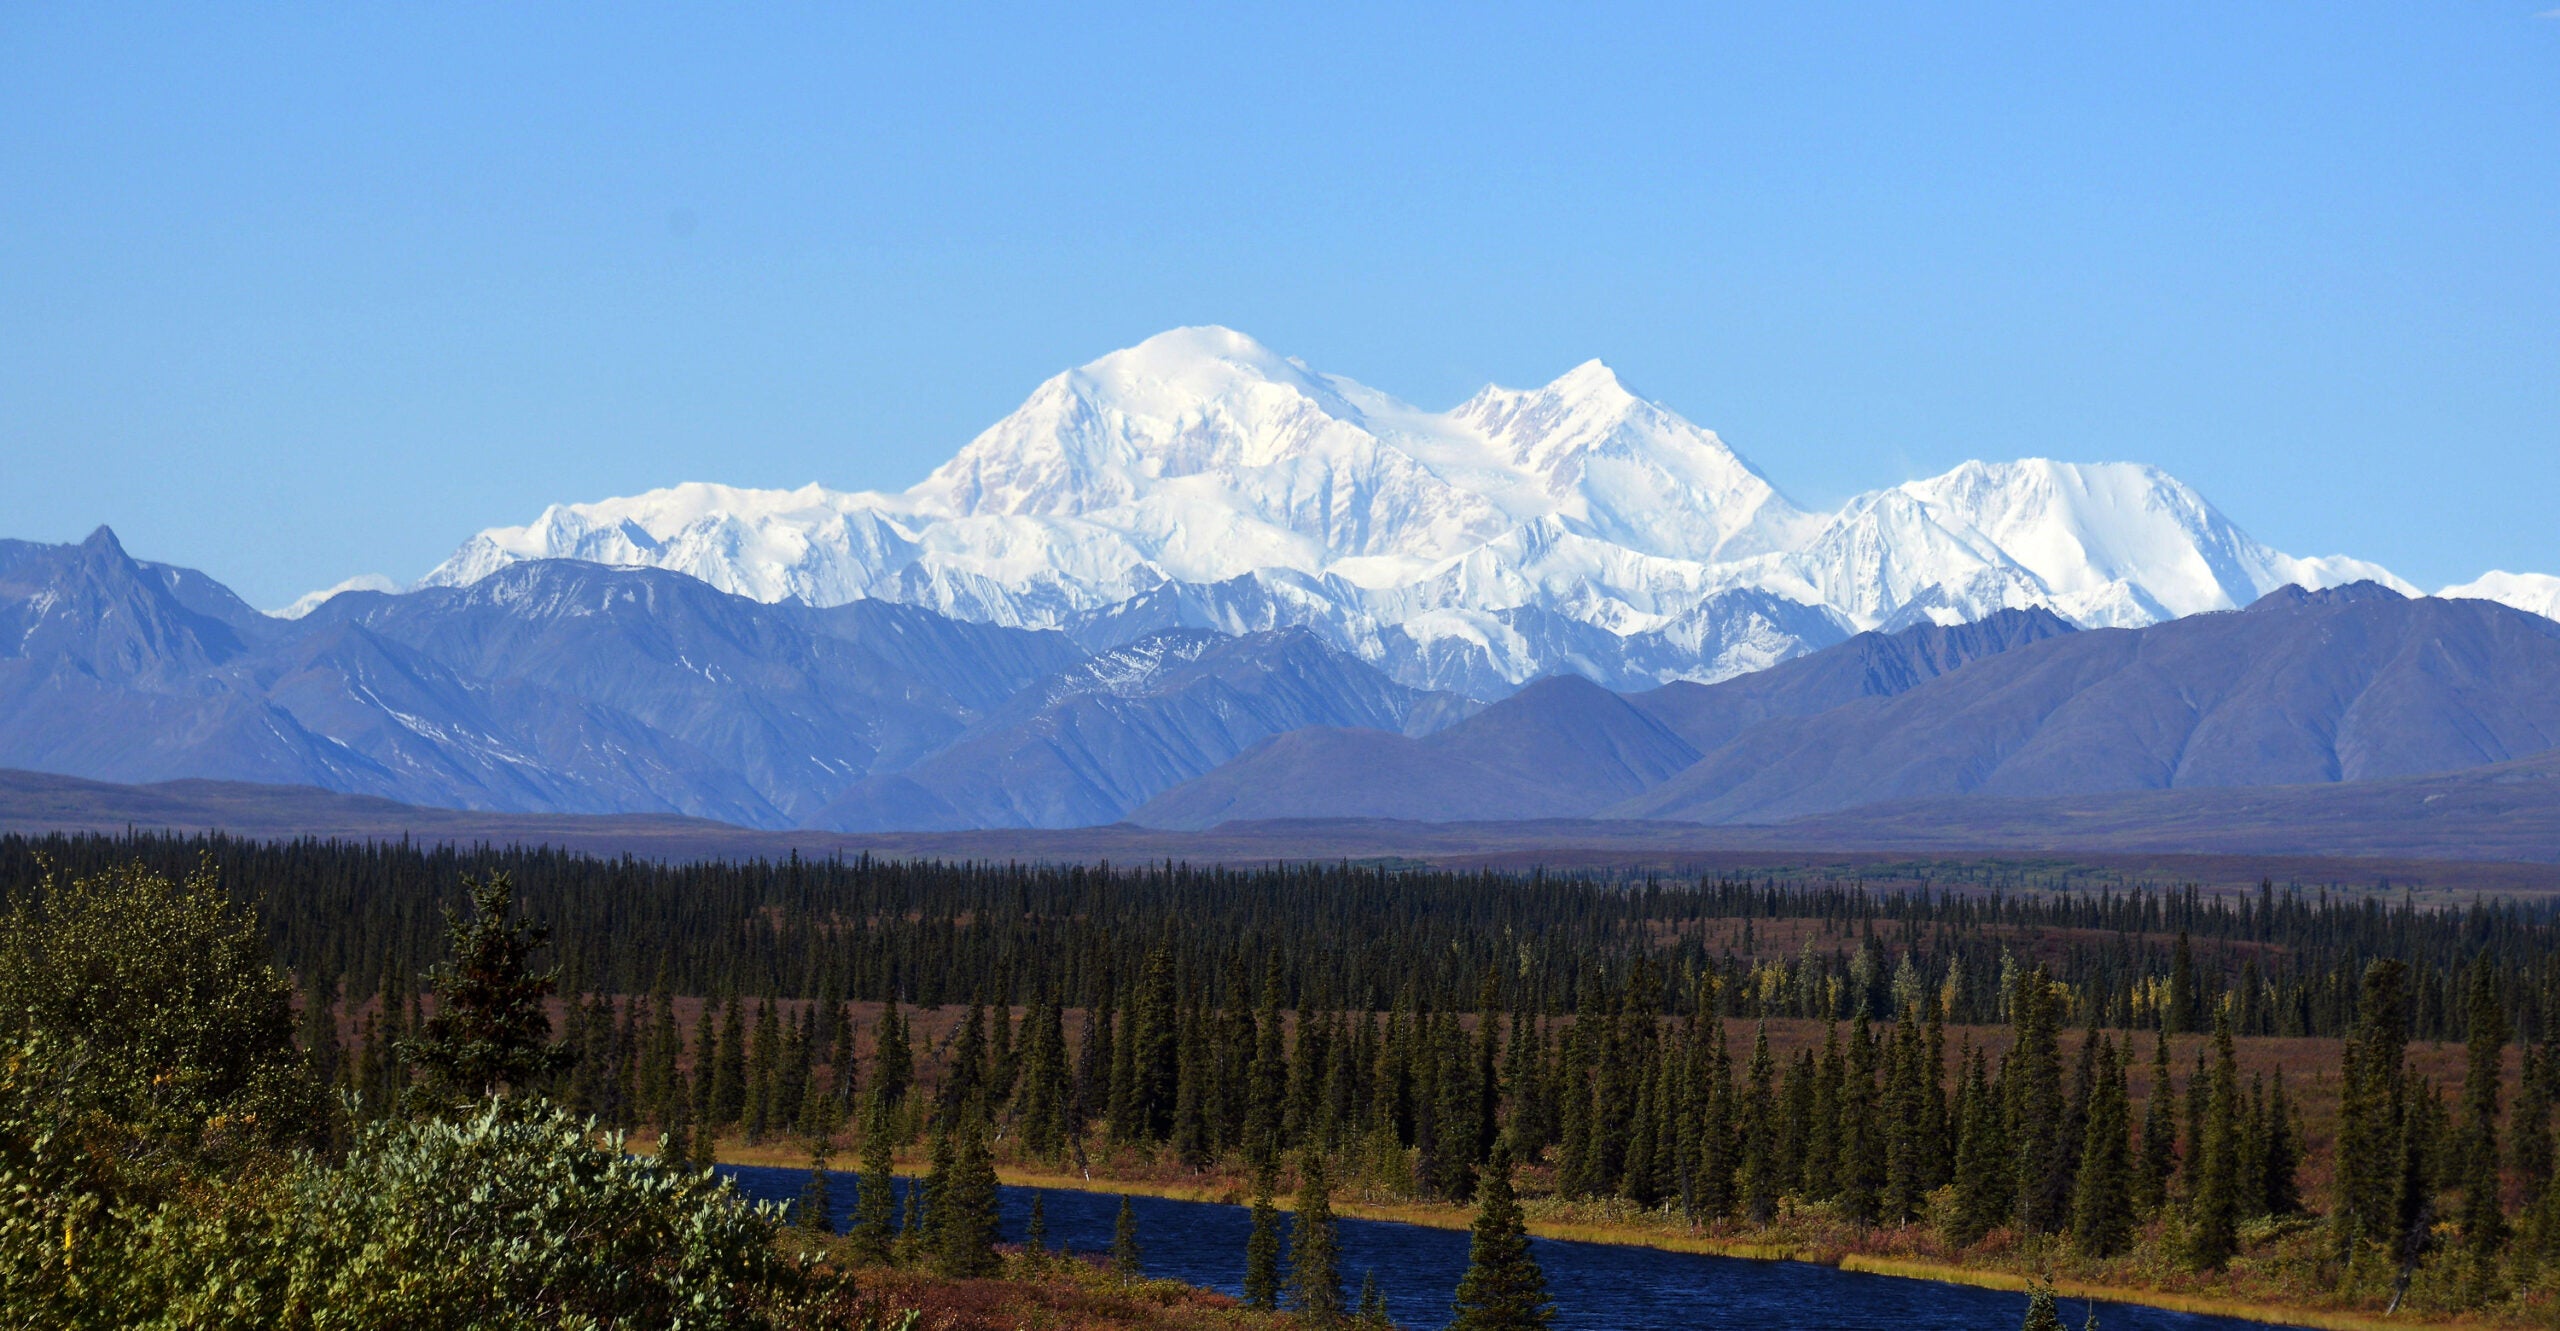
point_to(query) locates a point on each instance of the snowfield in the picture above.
(1200, 479)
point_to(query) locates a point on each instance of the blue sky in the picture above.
(290, 295)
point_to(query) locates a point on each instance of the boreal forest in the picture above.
(2334, 1098)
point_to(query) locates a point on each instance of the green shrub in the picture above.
(514, 1215)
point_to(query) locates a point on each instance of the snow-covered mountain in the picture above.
(2533, 593)
(1200, 479)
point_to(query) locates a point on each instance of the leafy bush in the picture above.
(158, 995)
(514, 1215)
(160, 1161)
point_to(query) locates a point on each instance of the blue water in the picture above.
(1596, 1287)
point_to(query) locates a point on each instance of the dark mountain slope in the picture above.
(796, 704)
(1564, 747)
(2352, 684)
(1869, 665)
(1098, 739)
(552, 686)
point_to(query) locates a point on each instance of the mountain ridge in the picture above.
(1474, 550)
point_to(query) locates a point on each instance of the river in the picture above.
(1596, 1286)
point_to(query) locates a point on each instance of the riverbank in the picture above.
(2272, 1282)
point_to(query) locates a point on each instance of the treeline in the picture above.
(1883, 1126)
(363, 919)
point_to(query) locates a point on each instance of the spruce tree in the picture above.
(1041, 1104)
(763, 1060)
(1267, 1082)
(942, 1157)
(875, 1206)
(490, 1031)
(2282, 1154)
(2042, 1315)
(1909, 1145)
(911, 1235)
(1760, 1133)
(675, 1146)
(1822, 1133)
(1262, 1250)
(1795, 1124)
(2033, 1078)
(1314, 1261)
(320, 1043)
(2529, 1128)
(1125, 1259)
(1985, 1178)
(2185, 1013)
(1373, 1304)
(2213, 1212)
(2159, 1134)
(729, 1073)
(964, 1074)
(964, 1207)
(1574, 1154)
(1156, 1049)
(2102, 1207)
(2484, 1221)
(1861, 1169)
(1503, 1289)
(1035, 1231)
(813, 1210)
(893, 1060)
(2370, 1108)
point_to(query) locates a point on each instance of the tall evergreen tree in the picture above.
(2372, 1092)
(1267, 1082)
(875, 1206)
(1985, 1178)
(2213, 1212)
(729, 1073)
(2484, 1219)
(1822, 1135)
(2529, 1127)
(1761, 1161)
(964, 1207)
(1503, 1289)
(1125, 1257)
(1314, 1259)
(1861, 1169)
(815, 1208)
(1042, 1099)
(2102, 1207)
(490, 1031)
(763, 1061)
(321, 1046)
(1373, 1304)
(2185, 1014)
(893, 1059)
(1262, 1249)
(965, 1072)
(2281, 1157)
(2159, 1134)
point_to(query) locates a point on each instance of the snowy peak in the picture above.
(1182, 403)
(1631, 471)
(2533, 593)
(1204, 479)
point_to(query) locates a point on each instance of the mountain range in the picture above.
(556, 686)
(1201, 480)
(1197, 583)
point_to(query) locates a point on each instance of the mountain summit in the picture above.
(1202, 480)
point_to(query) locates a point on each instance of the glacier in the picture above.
(1202, 480)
